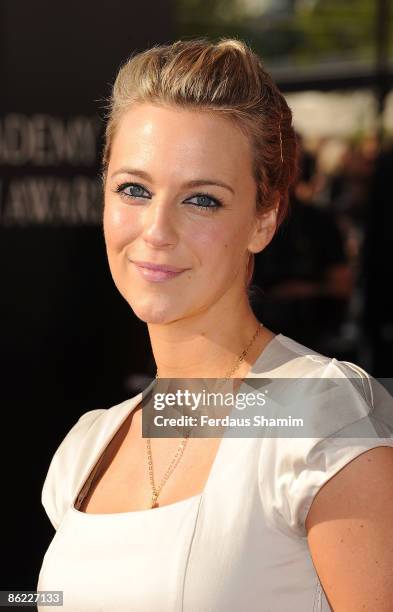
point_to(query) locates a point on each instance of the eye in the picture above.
(136, 190)
(214, 205)
(204, 201)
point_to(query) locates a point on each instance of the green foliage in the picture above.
(333, 29)
(312, 31)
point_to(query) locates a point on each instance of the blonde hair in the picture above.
(225, 77)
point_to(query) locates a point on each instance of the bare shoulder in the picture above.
(350, 535)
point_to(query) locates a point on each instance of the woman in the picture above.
(199, 154)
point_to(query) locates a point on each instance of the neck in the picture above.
(207, 345)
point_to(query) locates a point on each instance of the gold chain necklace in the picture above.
(182, 445)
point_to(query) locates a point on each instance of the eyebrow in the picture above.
(193, 183)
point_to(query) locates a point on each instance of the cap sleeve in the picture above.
(292, 470)
(54, 495)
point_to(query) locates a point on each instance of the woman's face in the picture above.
(180, 193)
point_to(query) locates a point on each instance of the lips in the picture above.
(155, 272)
(159, 267)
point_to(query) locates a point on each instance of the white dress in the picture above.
(241, 544)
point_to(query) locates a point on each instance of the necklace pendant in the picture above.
(154, 502)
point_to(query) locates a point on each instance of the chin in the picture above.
(156, 310)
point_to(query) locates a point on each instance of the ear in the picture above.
(263, 230)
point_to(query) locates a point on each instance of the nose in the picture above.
(159, 224)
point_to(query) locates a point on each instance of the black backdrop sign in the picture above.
(68, 339)
(51, 167)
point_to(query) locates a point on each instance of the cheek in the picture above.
(220, 244)
(119, 226)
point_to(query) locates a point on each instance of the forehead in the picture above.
(171, 135)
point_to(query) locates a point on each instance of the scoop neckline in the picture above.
(260, 359)
(129, 513)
